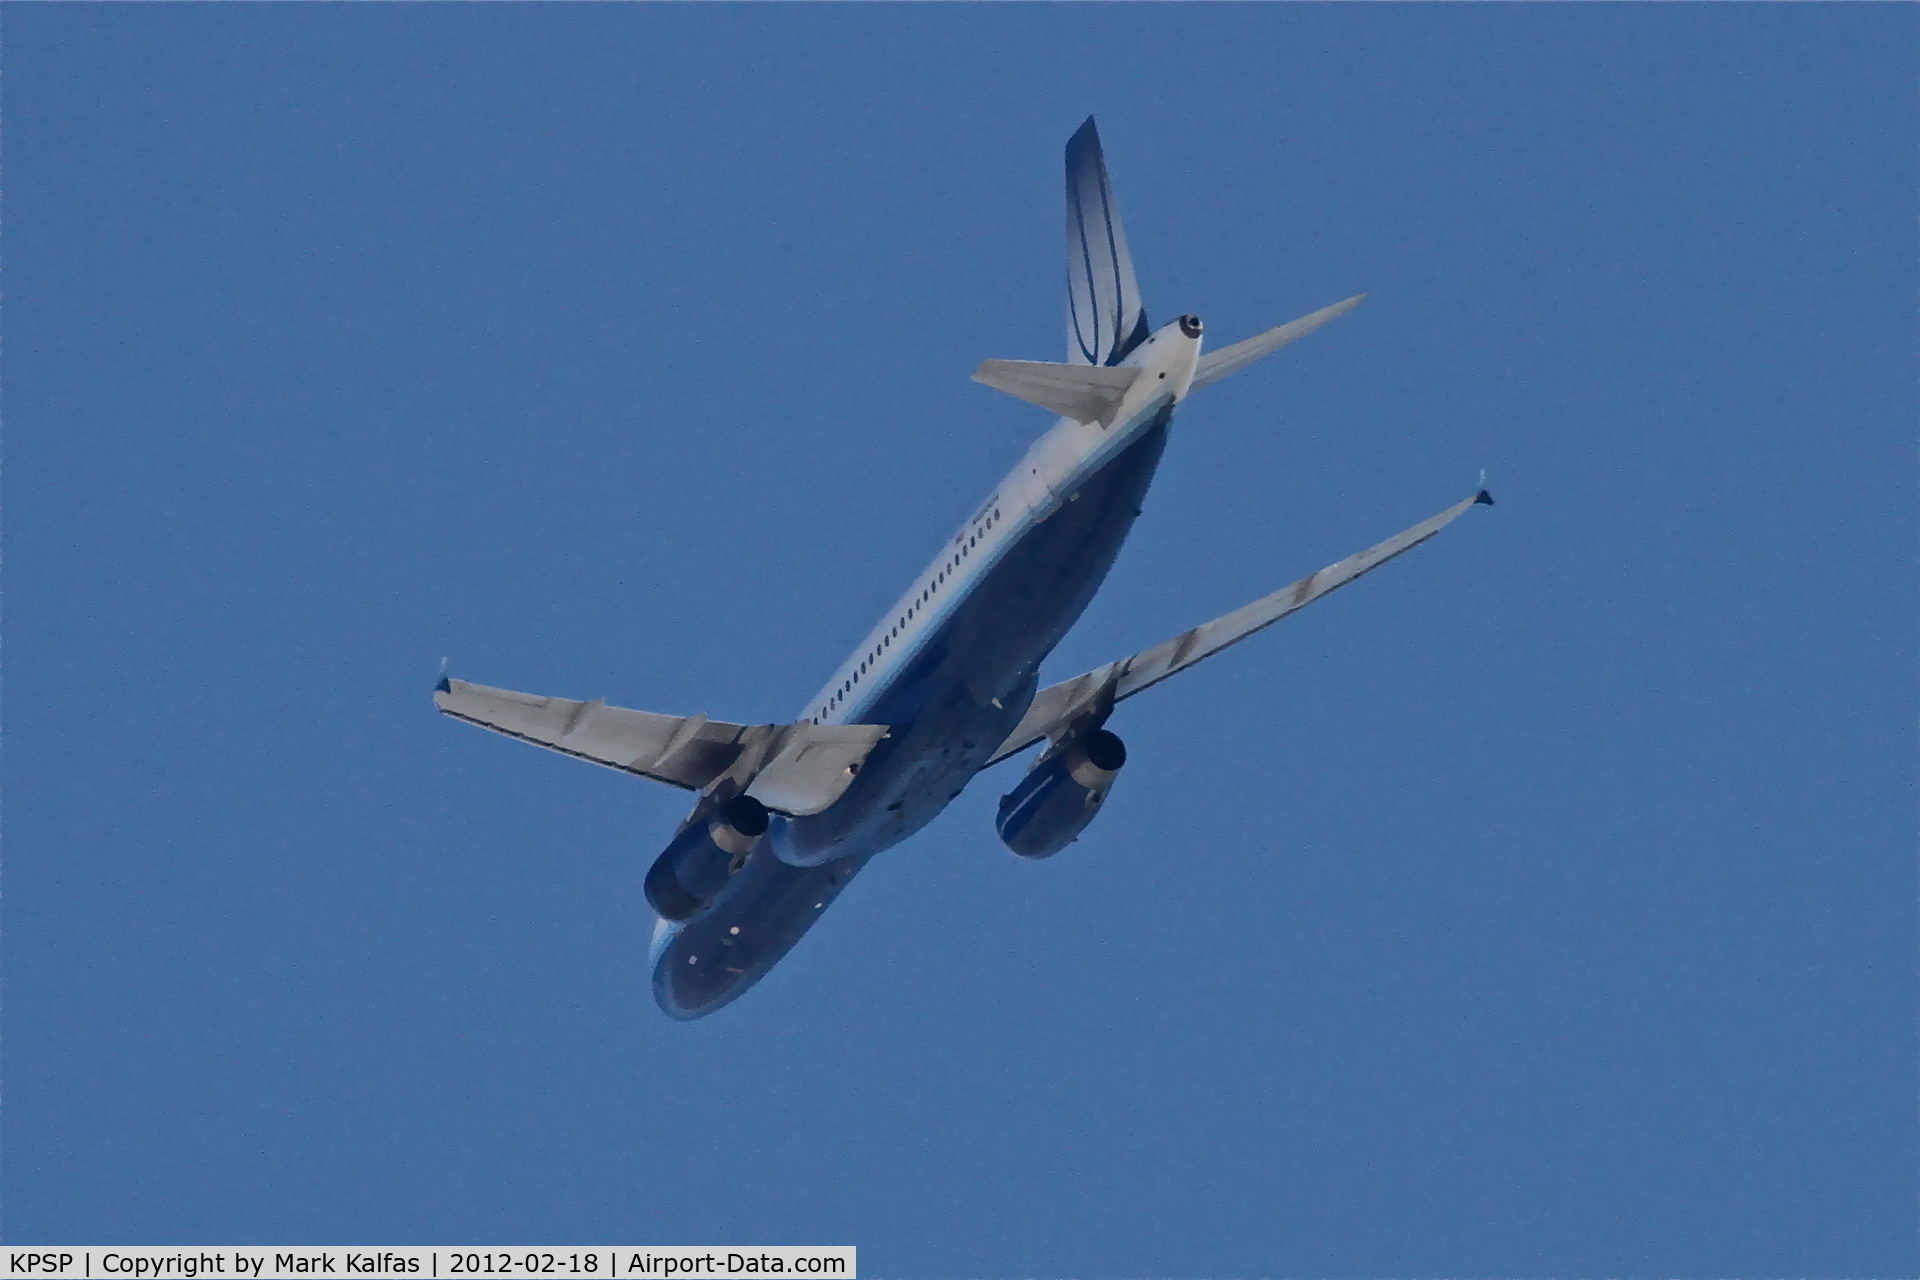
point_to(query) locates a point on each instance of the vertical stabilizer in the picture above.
(1104, 317)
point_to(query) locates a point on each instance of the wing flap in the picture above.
(816, 764)
(796, 768)
(1055, 708)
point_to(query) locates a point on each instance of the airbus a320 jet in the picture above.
(947, 683)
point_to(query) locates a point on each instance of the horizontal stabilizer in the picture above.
(1216, 365)
(792, 768)
(1083, 392)
(1058, 707)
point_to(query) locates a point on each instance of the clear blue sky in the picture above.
(1542, 905)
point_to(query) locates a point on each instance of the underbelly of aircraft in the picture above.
(951, 708)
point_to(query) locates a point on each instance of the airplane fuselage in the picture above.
(951, 668)
(947, 683)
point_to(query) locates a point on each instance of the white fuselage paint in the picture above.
(1047, 476)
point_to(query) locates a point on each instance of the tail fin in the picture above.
(1104, 316)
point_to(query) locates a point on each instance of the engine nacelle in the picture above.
(693, 870)
(1054, 803)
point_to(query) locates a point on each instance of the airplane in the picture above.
(947, 683)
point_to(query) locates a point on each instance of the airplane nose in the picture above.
(1190, 325)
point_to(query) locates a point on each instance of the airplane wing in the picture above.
(1056, 708)
(794, 768)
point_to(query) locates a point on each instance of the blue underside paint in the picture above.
(1046, 811)
(945, 727)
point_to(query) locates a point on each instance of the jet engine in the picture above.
(691, 871)
(1054, 803)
